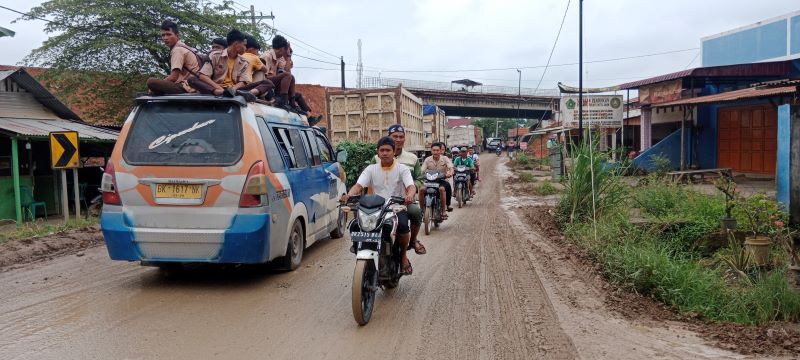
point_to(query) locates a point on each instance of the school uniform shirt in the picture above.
(386, 181)
(255, 63)
(272, 62)
(183, 60)
(227, 71)
(443, 165)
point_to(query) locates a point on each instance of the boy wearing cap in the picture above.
(398, 134)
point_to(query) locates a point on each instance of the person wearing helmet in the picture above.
(466, 160)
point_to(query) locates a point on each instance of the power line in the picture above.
(25, 14)
(307, 44)
(558, 35)
(542, 66)
(317, 60)
(693, 59)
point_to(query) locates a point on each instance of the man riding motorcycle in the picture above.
(389, 178)
(466, 160)
(442, 164)
(398, 135)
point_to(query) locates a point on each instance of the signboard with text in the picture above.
(603, 111)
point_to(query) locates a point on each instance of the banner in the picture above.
(604, 111)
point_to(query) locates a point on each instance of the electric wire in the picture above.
(558, 35)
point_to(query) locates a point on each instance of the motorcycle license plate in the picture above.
(363, 236)
(432, 184)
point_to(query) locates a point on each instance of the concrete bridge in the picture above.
(478, 101)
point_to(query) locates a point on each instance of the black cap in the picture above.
(396, 128)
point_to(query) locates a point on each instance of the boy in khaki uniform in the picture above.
(230, 71)
(183, 64)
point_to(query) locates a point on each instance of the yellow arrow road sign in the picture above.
(64, 150)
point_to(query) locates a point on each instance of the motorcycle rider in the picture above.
(444, 165)
(475, 159)
(466, 160)
(398, 134)
(389, 178)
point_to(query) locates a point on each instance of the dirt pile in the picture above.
(14, 253)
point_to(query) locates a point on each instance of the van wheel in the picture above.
(341, 222)
(294, 248)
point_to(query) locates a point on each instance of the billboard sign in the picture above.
(600, 111)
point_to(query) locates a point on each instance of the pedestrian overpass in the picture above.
(477, 101)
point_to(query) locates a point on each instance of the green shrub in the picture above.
(359, 156)
(589, 186)
(522, 159)
(546, 188)
(661, 164)
(526, 177)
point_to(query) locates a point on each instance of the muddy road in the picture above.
(487, 289)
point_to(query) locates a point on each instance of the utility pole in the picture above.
(519, 91)
(342, 62)
(580, 71)
(360, 66)
(254, 18)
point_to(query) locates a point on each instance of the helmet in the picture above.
(463, 148)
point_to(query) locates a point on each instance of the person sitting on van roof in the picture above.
(279, 73)
(257, 67)
(218, 44)
(230, 71)
(183, 64)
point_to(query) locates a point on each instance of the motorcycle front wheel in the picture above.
(426, 220)
(460, 196)
(365, 279)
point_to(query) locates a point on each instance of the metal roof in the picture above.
(40, 93)
(749, 93)
(42, 128)
(774, 68)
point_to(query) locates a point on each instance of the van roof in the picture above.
(270, 113)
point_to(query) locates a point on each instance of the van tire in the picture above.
(341, 223)
(294, 248)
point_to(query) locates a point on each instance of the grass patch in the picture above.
(32, 230)
(526, 177)
(660, 258)
(545, 188)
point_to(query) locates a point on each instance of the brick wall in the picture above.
(315, 96)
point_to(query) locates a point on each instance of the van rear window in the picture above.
(185, 134)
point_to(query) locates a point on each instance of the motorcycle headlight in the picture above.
(367, 221)
(431, 176)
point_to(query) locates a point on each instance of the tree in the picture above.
(488, 125)
(103, 50)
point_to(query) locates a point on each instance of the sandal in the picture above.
(407, 269)
(444, 216)
(419, 248)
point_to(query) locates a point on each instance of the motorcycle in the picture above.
(378, 252)
(498, 151)
(461, 189)
(432, 212)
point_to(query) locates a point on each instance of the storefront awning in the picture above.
(42, 128)
(736, 95)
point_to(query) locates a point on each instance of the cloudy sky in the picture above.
(437, 40)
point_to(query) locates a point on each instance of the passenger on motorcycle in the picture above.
(442, 164)
(389, 178)
(475, 160)
(466, 160)
(398, 134)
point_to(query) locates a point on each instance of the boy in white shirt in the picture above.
(389, 178)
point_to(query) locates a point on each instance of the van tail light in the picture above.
(255, 187)
(109, 186)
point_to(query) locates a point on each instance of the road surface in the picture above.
(477, 294)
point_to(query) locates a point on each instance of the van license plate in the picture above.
(179, 191)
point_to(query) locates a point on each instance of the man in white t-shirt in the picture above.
(389, 178)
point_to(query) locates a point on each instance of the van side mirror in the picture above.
(341, 156)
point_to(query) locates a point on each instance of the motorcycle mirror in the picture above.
(341, 156)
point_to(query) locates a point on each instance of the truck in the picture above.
(434, 123)
(462, 136)
(366, 114)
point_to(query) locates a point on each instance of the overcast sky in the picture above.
(438, 35)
